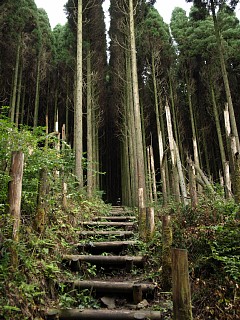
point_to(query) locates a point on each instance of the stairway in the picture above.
(122, 293)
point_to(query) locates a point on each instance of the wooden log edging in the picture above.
(110, 245)
(122, 314)
(114, 218)
(122, 234)
(108, 224)
(104, 260)
(112, 286)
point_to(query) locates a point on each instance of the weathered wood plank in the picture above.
(122, 234)
(105, 246)
(182, 308)
(78, 314)
(104, 260)
(112, 286)
(108, 224)
(114, 218)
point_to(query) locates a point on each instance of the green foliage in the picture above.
(30, 288)
(225, 248)
(210, 233)
(80, 299)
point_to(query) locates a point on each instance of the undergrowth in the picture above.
(26, 292)
(211, 235)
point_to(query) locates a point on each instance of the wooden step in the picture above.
(115, 218)
(107, 261)
(121, 234)
(117, 208)
(112, 286)
(103, 314)
(126, 225)
(105, 246)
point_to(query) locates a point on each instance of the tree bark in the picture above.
(137, 113)
(15, 80)
(150, 223)
(227, 182)
(78, 108)
(14, 199)
(37, 94)
(77, 314)
(192, 185)
(159, 133)
(90, 123)
(225, 75)
(175, 175)
(19, 94)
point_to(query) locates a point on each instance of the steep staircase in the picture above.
(120, 290)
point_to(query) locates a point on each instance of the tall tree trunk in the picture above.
(221, 146)
(153, 174)
(137, 115)
(159, 133)
(131, 132)
(193, 126)
(175, 175)
(150, 189)
(19, 94)
(225, 75)
(78, 109)
(67, 110)
(175, 126)
(90, 123)
(15, 80)
(37, 94)
(23, 104)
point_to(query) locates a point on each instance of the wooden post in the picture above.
(14, 198)
(141, 214)
(150, 224)
(64, 196)
(40, 218)
(137, 293)
(129, 264)
(182, 308)
(167, 239)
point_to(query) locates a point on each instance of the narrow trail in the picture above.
(116, 281)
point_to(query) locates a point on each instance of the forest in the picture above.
(144, 117)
